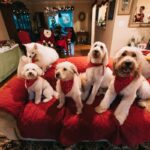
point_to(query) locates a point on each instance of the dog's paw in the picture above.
(59, 106)
(89, 101)
(120, 119)
(100, 109)
(79, 112)
(37, 101)
(142, 103)
(47, 100)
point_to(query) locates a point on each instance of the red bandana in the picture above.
(29, 83)
(90, 65)
(122, 82)
(34, 59)
(66, 86)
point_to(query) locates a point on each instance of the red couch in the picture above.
(45, 121)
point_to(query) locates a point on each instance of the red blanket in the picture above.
(45, 121)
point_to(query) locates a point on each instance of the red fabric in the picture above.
(29, 83)
(66, 86)
(45, 121)
(122, 82)
(42, 121)
(24, 37)
(90, 64)
(13, 97)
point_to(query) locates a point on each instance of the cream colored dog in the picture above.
(68, 84)
(97, 74)
(41, 55)
(36, 85)
(128, 81)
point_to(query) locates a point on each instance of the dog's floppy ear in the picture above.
(114, 68)
(105, 59)
(89, 56)
(74, 69)
(39, 71)
(138, 72)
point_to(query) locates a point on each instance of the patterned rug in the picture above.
(6, 144)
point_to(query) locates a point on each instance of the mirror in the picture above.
(101, 14)
(140, 14)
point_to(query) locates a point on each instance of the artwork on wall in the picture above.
(124, 7)
(140, 14)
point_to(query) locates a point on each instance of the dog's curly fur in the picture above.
(138, 85)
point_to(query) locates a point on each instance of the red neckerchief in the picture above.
(90, 65)
(66, 86)
(34, 59)
(121, 82)
(29, 83)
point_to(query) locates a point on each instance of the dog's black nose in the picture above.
(30, 73)
(96, 51)
(57, 75)
(128, 63)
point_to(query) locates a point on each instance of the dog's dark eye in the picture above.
(101, 47)
(64, 69)
(95, 45)
(32, 52)
(27, 69)
(133, 55)
(124, 54)
(33, 69)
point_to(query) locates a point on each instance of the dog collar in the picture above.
(90, 65)
(121, 82)
(34, 59)
(66, 86)
(29, 83)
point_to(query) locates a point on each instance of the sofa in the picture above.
(45, 122)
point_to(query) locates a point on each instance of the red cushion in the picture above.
(42, 121)
(13, 96)
(88, 125)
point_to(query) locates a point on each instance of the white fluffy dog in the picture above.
(36, 85)
(41, 55)
(97, 74)
(68, 84)
(22, 62)
(128, 81)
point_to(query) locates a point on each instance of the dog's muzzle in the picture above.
(96, 53)
(127, 66)
(30, 74)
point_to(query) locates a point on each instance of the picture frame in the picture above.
(134, 10)
(124, 7)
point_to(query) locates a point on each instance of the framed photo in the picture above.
(124, 7)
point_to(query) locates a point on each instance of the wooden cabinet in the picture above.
(82, 37)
